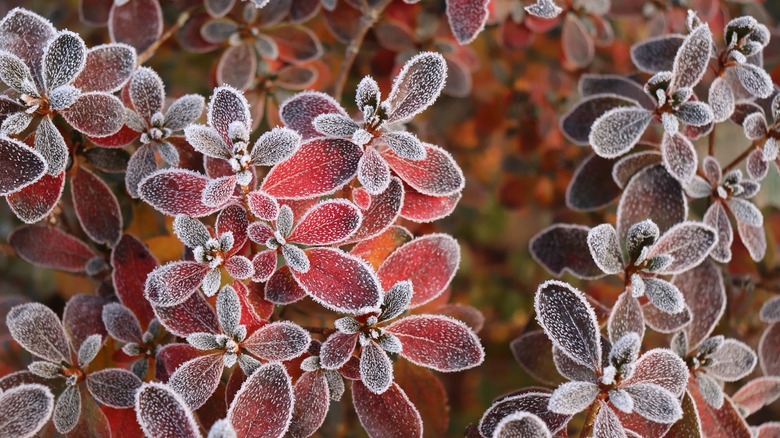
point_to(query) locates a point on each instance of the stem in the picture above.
(590, 419)
(367, 21)
(712, 141)
(739, 159)
(320, 330)
(151, 50)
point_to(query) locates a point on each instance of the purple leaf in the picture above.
(114, 387)
(618, 130)
(692, 58)
(20, 165)
(562, 247)
(416, 87)
(263, 407)
(467, 18)
(38, 329)
(25, 409)
(592, 186)
(163, 413)
(688, 243)
(651, 187)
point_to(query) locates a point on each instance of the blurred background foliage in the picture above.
(504, 134)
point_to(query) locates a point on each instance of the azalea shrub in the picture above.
(255, 219)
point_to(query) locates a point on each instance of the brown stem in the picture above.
(321, 330)
(712, 141)
(151, 50)
(367, 21)
(739, 159)
(590, 419)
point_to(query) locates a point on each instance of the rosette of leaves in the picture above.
(765, 137)
(140, 346)
(730, 195)
(51, 73)
(38, 329)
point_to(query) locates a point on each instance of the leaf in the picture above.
(339, 281)
(605, 248)
(530, 350)
(26, 34)
(337, 350)
(577, 122)
(573, 397)
(598, 84)
(237, 66)
(544, 9)
(174, 283)
(436, 175)
(563, 247)
(532, 402)
(38, 329)
(373, 171)
(429, 262)
(96, 207)
(416, 87)
(51, 146)
(578, 46)
(83, 317)
(649, 188)
(522, 425)
(664, 295)
(755, 80)
(132, 262)
(660, 367)
(263, 407)
(312, 400)
(688, 243)
(107, 68)
(327, 223)
(89, 348)
(67, 409)
(277, 342)
(569, 321)
(467, 18)
(710, 389)
(607, 424)
(732, 361)
(690, 62)
(147, 93)
(96, 114)
(63, 59)
(655, 403)
(228, 105)
(275, 146)
(50, 248)
(626, 317)
(679, 157)
(35, 201)
(197, 379)
(175, 191)
(137, 23)
(163, 413)
(114, 387)
(25, 409)
(756, 394)
(282, 288)
(592, 186)
(421, 208)
(389, 414)
(725, 422)
(753, 238)
(319, 167)
(656, 54)
(383, 210)
(299, 111)
(121, 323)
(721, 99)
(618, 130)
(376, 369)
(296, 44)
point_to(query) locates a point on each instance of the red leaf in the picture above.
(96, 114)
(376, 249)
(299, 111)
(50, 248)
(326, 223)
(337, 350)
(176, 191)
(467, 18)
(234, 219)
(312, 400)
(725, 422)
(297, 44)
(263, 206)
(429, 262)
(132, 262)
(319, 167)
(173, 283)
(435, 175)
(387, 415)
(20, 166)
(340, 281)
(427, 393)
(380, 211)
(138, 23)
(193, 315)
(757, 393)
(96, 207)
(197, 379)
(249, 317)
(259, 302)
(83, 316)
(163, 413)
(438, 342)
(418, 207)
(123, 137)
(277, 342)
(263, 406)
(37, 200)
(264, 264)
(123, 422)
(769, 350)
(170, 357)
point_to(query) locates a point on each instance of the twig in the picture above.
(739, 159)
(712, 141)
(590, 419)
(151, 50)
(320, 330)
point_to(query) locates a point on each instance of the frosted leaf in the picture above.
(312, 400)
(96, 114)
(629, 165)
(563, 247)
(626, 317)
(284, 220)
(20, 166)
(203, 341)
(389, 414)
(262, 205)
(626, 350)
(569, 321)
(770, 310)
(89, 349)
(163, 413)
(190, 231)
(544, 9)
(655, 403)
(695, 113)
(688, 243)
(211, 282)
(755, 126)
(67, 409)
(679, 156)
(576, 123)
(107, 68)
(732, 361)
(416, 87)
(197, 379)
(710, 389)
(50, 144)
(746, 212)
(16, 123)
(607, 424)
(218, 31)
(142, 164)
(206, 141)
(605, 248)
(467, 18)
(578, 45)
(656, 54)
(278, 341)
(664, 295)
(264, 403)
(347, 325)
(690, 62)
(337, 350)
(600, 85)
(184, 111)
(299, 111)
(437, 174)
(335, 125)
(532, 402)
(24, 410)
(698, 187)
(45, 369)
(405, 145)
(376, 370)
(396, 300)
(621, 400)
(373, 172)
(522, 425)
(757, 393)
(37, 328)
(573, 397)
(637, 286)
(327, 223)
(228, 310)
(63, 59)
(239, 267)
(368, 94)
(228, 105)
(275, 146)
(755, 80)
(114, 387)
(147, 92)
(670, 123)
(753, 238)
(592, 186)
(618, 130)
(568, 368)
(222, 429)
(63, 97)
(218, 191)
(172, 284)
(296, 258)
(15, 73)
(721, 100)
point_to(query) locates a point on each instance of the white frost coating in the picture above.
(162, 412)
(206, 141)
(275, 146)
(698, 187)
(197, 379)
(278, 341)
(335, 125)
(89, 349)
(733, 361)
(755, 80)
(721, 100)
(746, 212)
(228, 310)
(670, 123)
(16, 123)
(269, 387)
(755, 126)
(679, 157)
(544, 9)
(113, 387)
(607, 424)
(203, 341)
(24, 410)
(328, 222)
(20, 166)
(173, 283)
(655, 403)
(67, 409)
(692, 58)
(222, 429)
(50, 144)
(296, 258)
(618, 130)
(15, 73)
(710, 389)
(373, 172)
(211, 282)
(626, 316)
(284, 220)
(416, 87)
(405, 144)
(38, 329)
(239, 267)
(664, 295)
(376, 370)
(621, 400)
(368, 94)
(62, 97)
(441, 177)
(688, 243)
(717, 218)
(521, 425)
(569, 321)
(695, 113)
(184, 111)
(573, 397)
(147, 92)
(190, 231)
(396, 300)
(228, 105)
(218, 191)
(605, 248)
(63, 59)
